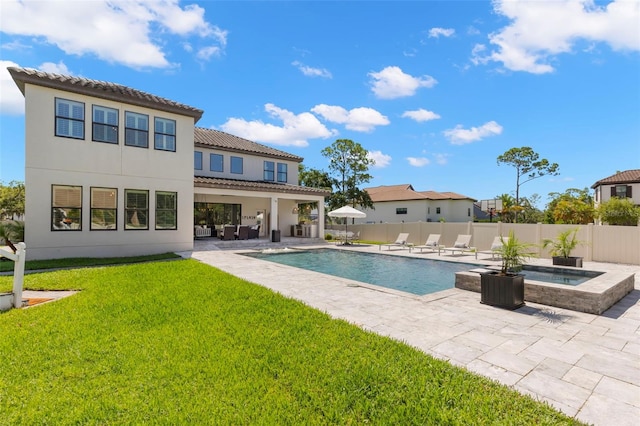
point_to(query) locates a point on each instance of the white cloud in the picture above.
(381, 160)
(441, 159)
(437, 32)
(359, 119)
(295, 129)
(460, 136)
(418, 161)
(420, 115)
(541, 30)
(12, 100)
(391, 83)
(207, 52)
(115, 31)
(59, 68)
(312, 72)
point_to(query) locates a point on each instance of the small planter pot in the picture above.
(576, 262)
(503, 291)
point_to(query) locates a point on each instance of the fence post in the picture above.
(18, 274)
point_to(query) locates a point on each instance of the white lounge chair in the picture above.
(432, 244)
(496, 246)
(462, 245)
(401, 242)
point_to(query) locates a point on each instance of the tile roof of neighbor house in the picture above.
(100, 89)
(214, 138)
(628, 176)
(261, 186)
(405, 192)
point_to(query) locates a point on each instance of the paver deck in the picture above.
(587, 366)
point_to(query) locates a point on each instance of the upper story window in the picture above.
(621, 191)
(105, 124)
(282, 172)
(136, 209)
(165, 134)
(236, 165)
(136, 129)
(104, 208)
(401, 210)
(69, 119)
(216, 162)
(437, 210)
(269, 171)
(197, 160)
(66, 208)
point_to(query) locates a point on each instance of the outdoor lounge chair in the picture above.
(401, 242)
(462, 245)
(228, 233)
(496, 245)
(433, 244)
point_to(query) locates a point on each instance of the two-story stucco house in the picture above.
(401, 203)
(110, 171)
(624, 184)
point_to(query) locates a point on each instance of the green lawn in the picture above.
(184, 343)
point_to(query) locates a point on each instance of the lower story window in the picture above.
(401, 210)
(166, 210)
(104, 209)
(136, 209)
(66, 208)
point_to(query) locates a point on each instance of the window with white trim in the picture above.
(69, 119)
(66, 208)
(282, 172)
(165, 134)
(166, 210)
(197, 160)
(136, 209)
(269, 173)
(104, 209)
(105, 124)
(216, 162)
(236, 165)
(136, 129)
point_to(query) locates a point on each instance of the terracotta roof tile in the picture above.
(627, 176)
(406, 192)
(247, 185)
(225, 141)
(100, 89)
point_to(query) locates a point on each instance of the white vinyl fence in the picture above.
(603, 243)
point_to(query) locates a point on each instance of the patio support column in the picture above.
(273, 217)
(321, 219)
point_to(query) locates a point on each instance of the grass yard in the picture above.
(181, 342)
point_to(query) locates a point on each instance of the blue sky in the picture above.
(434, 90)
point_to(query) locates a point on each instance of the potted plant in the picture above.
(505, 288)
(562, 246)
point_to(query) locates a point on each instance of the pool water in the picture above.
(411, 275)
(416, 276)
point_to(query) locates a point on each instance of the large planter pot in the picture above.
(504, 291)
(567, 261)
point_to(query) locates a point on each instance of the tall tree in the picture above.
(528, 167)
(11, 199)
(349, 168)
(619, 211)
(572, 206)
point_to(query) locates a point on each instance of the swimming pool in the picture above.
(411, 275)
(416, 276)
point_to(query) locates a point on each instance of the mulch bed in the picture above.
(35, 300)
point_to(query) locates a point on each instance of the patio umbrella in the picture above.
(346, 212)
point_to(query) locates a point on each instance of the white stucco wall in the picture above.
(253, 166)
(55, 160)
(420, 211)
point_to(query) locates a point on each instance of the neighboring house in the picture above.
(109, 171)
(401, 203)
(622, 185)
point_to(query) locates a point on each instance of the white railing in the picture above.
(18, 271)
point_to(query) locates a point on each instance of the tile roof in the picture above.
(628, 176)
(100, 89)
(210, 138)
(405, 192)
(248, 185)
